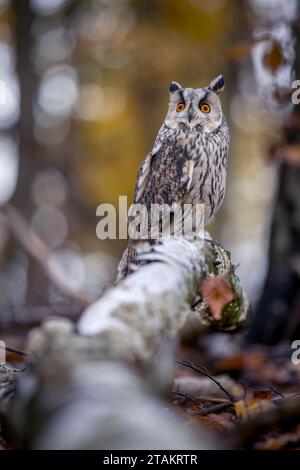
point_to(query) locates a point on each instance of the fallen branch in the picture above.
(90, 401)
(157, 298)
(201, 370)
(82, 382)
(187, 396)
(205, 410)
(214, 408)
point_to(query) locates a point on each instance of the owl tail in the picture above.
(122, 267)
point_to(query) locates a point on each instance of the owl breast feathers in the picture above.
(188, 162)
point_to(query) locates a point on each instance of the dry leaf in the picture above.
(217, 292)
(262, 394)
(244, 409)
(280, 441)
(220, 421)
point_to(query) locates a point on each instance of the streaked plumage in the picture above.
(188, 162)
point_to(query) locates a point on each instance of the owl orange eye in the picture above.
(205, 108)
(180, 107)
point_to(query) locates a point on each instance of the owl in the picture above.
(188, 162)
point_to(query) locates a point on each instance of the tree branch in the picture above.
(84, 379)
(30, 241)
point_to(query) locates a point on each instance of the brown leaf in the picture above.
(274, 57)
(220, 421)
(262, 394)
(217, 292)
(280, 441)
(244, 409)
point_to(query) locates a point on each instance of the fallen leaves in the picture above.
(246, 409)
(218, 422)
(262, 394)
(279, 441)
(217, 292)
(260, 401)
(264, 388)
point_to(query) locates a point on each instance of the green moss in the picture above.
(218, 261)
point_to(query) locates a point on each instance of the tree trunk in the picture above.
(278, 313)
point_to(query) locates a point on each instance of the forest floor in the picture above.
(255, 403)
(246, 397)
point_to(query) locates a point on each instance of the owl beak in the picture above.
(190, 114)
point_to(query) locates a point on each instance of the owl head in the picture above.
(199, 107)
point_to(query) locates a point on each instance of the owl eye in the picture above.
(205, 108)
(180, 107)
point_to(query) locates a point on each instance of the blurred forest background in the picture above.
(85, 90)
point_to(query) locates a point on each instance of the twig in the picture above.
(206, 410)
(41, 253)
(204, 398)
(214, 408)
(189, 397)
(276, 391)
(280, 399)
(15, 351)
(205, 372)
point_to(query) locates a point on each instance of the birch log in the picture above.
(82, 390)
(157, 297)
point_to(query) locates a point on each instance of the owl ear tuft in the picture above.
(217, 85)
(174, 86)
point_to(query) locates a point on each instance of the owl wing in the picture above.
(165, 175)
(144, 172)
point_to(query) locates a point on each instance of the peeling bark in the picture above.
(81, 389)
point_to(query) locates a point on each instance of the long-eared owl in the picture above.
(188, 162)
